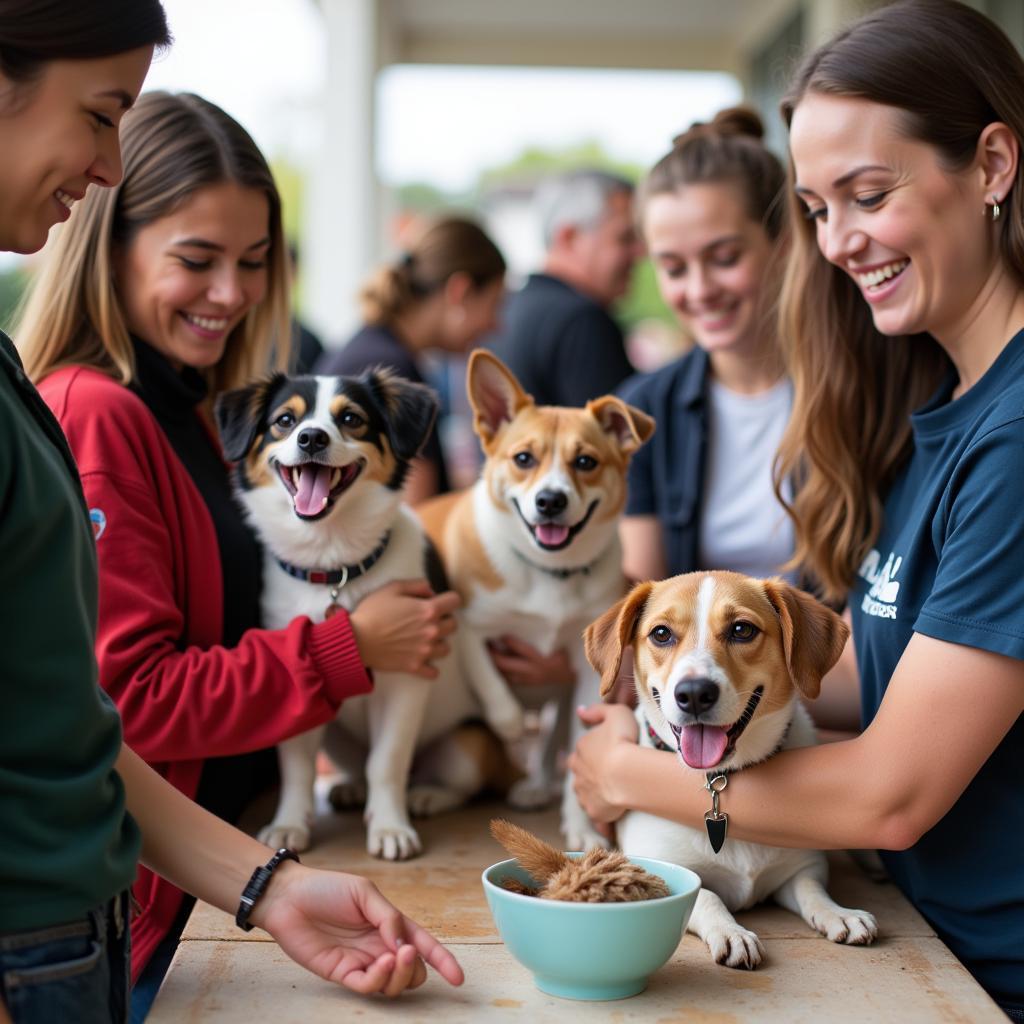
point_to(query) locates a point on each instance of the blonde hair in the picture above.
(949, 72)
(452, 245)
(172, 147)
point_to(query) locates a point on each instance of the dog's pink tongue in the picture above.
(314, 486)
(702, 746)
(552, 534)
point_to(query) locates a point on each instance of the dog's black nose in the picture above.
(696, 695)
(313, 440)
(551, 503)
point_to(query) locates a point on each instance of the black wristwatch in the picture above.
(257, 886)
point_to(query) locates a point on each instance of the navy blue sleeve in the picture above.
(978, 595)
(640, 498)
(590, 359)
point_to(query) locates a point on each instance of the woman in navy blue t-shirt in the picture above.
(904, 310)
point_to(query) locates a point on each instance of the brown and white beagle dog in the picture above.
(721, 661)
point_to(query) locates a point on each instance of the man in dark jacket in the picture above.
(557, 336)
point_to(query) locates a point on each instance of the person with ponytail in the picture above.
(441, 295)
(711, 212)
(903, 323)
(78, 807)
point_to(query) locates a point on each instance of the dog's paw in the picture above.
(424, 801)
(347, 795)
(578, 829)
(852, 927)
(280, 834)
(529, 795)
(735, 947)
(584, 837)
(507, 719)
(393, 842)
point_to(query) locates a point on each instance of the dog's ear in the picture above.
(494, 393)
(606, 638)
(408, 410)
(629, 426)
(239, 414)
(813, 636)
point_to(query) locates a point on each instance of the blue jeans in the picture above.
(69, 972)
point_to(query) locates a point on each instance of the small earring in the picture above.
(994, 209)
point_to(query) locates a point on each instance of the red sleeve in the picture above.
(182, 696)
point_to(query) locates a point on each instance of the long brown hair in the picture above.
(450, 245)
(950, 72)
(172, 146)
(35, 32)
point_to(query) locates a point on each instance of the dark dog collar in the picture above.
(658, 742)
(559, 574)
(337, 577)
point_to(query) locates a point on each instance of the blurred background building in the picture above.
(374, 112)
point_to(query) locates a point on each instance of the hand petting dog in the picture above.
(592, 762)
(402, 626)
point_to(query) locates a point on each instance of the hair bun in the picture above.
(731, 122)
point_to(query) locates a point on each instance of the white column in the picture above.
(341, 209)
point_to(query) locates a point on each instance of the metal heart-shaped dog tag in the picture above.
(716, 827)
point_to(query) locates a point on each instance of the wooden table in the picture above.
(222, 975)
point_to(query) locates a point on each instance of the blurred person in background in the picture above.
(558, 336)
(442, 295)
(700, 492)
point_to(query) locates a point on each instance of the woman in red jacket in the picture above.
(159, 293)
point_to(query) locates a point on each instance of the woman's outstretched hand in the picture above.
(402, 627)
(340, 927)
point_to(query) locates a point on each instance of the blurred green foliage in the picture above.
(535, 163)
(643, 301)
(524, 171)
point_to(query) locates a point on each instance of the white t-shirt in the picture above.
(743, 527)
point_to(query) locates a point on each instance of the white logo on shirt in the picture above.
(880, 600)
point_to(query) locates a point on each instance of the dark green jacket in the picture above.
(68, 844)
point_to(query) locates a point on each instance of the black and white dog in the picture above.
(320, 463)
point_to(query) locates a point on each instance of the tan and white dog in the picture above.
(533, 550)
(320, 463)
(720, 662)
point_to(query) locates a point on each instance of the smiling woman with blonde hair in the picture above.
(158, 293)
(74, 315)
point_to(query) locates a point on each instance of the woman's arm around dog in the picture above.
(883, 789)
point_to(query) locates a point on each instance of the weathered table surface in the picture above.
(222, 975)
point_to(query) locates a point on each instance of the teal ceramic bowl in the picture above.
(591, 950)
